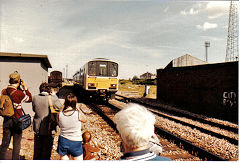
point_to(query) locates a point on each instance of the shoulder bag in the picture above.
(53, 116)
(22, 122)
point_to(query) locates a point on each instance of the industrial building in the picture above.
(185, 60)
(148, 75)
(33, 69)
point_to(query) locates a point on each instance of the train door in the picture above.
(102, 69)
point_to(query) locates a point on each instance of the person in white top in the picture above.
(70, 138)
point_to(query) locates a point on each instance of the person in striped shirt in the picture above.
(136, 127)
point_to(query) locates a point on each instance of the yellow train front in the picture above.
(98, 78)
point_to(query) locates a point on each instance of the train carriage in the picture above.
(98, 77)
(55, 79)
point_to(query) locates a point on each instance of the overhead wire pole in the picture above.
(232, 40)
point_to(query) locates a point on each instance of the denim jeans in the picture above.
(8, 132)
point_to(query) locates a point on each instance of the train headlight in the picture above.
(91, 84)
(113, 85)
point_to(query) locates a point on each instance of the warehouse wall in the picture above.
(32, 71)
(206, 89)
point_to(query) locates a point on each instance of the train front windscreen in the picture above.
(102, 68)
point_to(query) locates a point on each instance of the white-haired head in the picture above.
(135, 125)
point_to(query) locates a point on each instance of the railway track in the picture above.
(214, 129)
(103, 133)
(173, 152)
(179, 150)
(219, 147)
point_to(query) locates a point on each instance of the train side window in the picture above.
(81, 72)
(113, 69)
(92, 68)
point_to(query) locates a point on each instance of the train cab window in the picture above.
(102, 69)
(113, 69)
(92, 68)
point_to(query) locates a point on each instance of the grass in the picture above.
(128, 87)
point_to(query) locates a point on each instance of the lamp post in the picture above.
(207, 44)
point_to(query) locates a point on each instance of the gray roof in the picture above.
(43, 58)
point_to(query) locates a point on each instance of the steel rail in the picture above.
(229, 128)
(231, 140)
(188, 146)
(103, 115)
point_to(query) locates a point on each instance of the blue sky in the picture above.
(141, 35)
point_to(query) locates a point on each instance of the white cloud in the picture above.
(166, 9)
(213, 9)
(207, 26)
(218, 5)
(192, 11)
(216, 9)
(225, 27)
(211, 38)
(18, 39)
(183, 13)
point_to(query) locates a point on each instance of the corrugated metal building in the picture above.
(33, 69)
(185, 60)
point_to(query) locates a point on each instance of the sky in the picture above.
(140, 35)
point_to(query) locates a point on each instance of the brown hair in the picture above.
(70, 100)
(44, 87)
(86, 137)
(13, 81)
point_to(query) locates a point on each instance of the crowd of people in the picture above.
(134, 123)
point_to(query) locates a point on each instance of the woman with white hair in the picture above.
(136, 127)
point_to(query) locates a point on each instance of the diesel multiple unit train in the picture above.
(98, 78)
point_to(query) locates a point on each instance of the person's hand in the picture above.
(24, 85)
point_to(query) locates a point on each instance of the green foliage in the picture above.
(123, 81)
(135, 78)
(145, 81)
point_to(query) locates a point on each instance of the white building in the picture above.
(186, 60)
(33, 69)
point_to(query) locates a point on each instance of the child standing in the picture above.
(70, 139)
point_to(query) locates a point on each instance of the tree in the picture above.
(135, 77)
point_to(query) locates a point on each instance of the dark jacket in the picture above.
(40, 106)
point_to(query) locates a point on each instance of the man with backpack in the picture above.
(19, 93)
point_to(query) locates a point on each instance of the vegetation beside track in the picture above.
(130, 86)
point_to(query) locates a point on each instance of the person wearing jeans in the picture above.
(18, 96)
